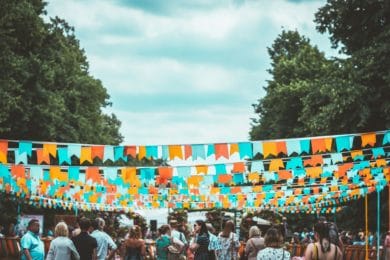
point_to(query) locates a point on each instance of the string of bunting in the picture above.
(42, 152)
(302, 174)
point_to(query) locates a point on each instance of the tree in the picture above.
(362, 30)
(46, 90)
(297, 67)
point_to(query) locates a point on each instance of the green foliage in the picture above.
(312, 95)
(362, 30)
(47, 91)
(297, 68)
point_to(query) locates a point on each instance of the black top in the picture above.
(85, 244)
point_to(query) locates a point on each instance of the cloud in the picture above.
(184, 71)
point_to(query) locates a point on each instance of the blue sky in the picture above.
(184, 71)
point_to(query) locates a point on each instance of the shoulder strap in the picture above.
(252, 243)
(315, 252)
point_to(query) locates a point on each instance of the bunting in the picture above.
(292, 175)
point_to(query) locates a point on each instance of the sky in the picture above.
(184, 72)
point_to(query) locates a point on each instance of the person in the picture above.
(134, 246)
(62, 248)
(1, 231)
(323, 249)
(104, 241)
(333, 233)
(254, 244)
(229, 242)
(285, 227)
(85, 244)
(162, 242)
(214, 244)
(31, 244)
(175, 233)
(273, 241)
(387, 245)
(201, 241)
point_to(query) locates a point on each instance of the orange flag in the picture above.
(18, 171)
(165, 172)
(368, 139)
(253, 177)
(202, 169)
(86, 154)
(141, 152)
(233, 148)
(285, 175)
(3, 151)
(276, 164)
(187, 151)
(313, 172)
(50, 149)
(221, 150)
(97, 151)
(224, 178)
(281, 147)
(356, 153)
(92, 173)
(238, 167)
(318, 145)
(42, 157)
(131, 150)
(175, 151)
(269, 148)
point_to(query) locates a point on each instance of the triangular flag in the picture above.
(97, 151)
(175, 151)
(368, 139)
(221, 150)
(50, 149)
(85, 155)
(233, 148)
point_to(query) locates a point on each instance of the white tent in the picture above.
(261, 221)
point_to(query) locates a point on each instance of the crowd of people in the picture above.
(90, 241)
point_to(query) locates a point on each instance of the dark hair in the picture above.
(164, 229)
(84, 223)
(203, 227)
(322, 229)
(273, 238)
(31, 222)
(95, 224)
(228, 225)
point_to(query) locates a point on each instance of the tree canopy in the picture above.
(47, 92)
(312, 95)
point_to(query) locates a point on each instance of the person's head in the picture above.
(228, 227)
(164, 230)
(61, 230)
(173, 223)
(273, 238)
(33, 225)
(210, 228)
(322, 219)
(85, 224)
(200, 227)
(321, 230)
(134, 232)
(254, 231)
(99, 224)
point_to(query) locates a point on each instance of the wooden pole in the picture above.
(366, 217)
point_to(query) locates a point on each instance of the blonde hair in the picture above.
(61, 230)
(254, 231)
